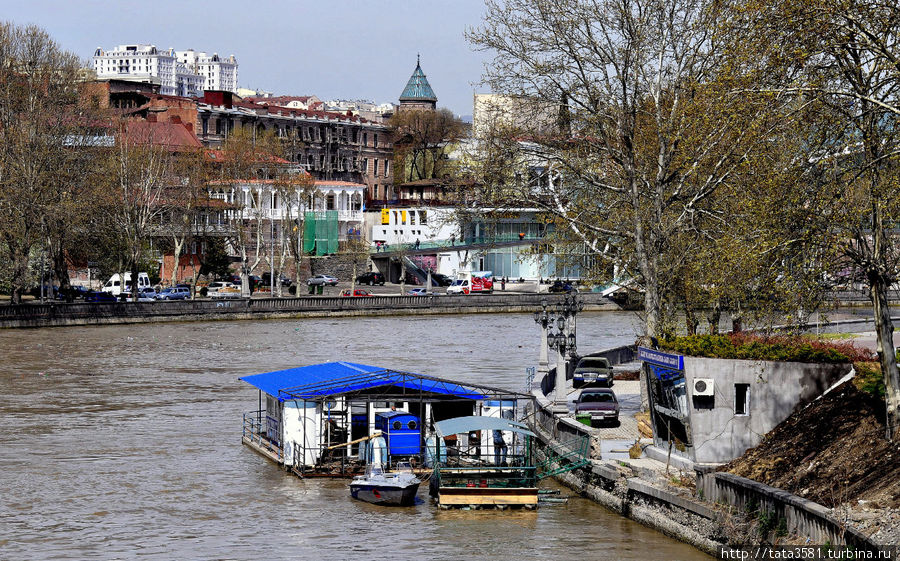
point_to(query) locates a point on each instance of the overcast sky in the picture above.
(331, 48)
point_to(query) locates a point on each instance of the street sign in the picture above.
(660, 358)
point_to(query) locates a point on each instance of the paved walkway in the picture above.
(628, 392)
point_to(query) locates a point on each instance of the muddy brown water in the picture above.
(123, 442)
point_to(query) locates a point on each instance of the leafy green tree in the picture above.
(840, 58)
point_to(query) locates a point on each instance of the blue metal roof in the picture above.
(418, 88)
(335, 378)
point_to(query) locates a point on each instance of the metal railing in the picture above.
(254, 430)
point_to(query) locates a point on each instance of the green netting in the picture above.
(320, 232)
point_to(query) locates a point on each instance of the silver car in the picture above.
(324, 280)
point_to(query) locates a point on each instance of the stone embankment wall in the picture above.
(60, 314)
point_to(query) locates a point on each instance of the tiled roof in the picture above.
(418, 88)
(175, 136)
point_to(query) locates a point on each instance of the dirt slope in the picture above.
(831, 452)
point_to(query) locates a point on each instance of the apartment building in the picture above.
(179, 73)
(217, 73)
(329, 146)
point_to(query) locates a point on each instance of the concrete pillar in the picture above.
(543, 363)
(561, 391)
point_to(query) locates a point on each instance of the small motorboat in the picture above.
(379, 487)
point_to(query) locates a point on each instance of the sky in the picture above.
(333, 49)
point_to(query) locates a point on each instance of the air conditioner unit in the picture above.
(704, 386)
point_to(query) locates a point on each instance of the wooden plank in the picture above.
(487, 496)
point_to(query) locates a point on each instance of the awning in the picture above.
(335, 378)
(475, 423)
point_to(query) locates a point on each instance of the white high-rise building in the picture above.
(218, 73)
(182, 73)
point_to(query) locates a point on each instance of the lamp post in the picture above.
(543, 318)
(564, 342)
(569, 309)
(560, 343)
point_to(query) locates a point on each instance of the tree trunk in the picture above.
(60, 267)
(713, 317)
(884, 331)
(691, 322)
(18, 276)
(737, 323)
(179, 245)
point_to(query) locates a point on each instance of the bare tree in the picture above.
(142, 173)
(643, 136)
(41, 129)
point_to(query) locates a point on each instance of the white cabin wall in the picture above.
(300, 424)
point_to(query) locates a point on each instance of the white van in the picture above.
(114, 285)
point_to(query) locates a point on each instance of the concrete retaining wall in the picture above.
(801, 517)
(59, 314)
(776, 389)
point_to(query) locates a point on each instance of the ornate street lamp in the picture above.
(543, 318)
(563, 341)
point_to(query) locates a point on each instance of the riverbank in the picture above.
(64, 314)
(716, 511)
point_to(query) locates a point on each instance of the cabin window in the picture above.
(412, 425)
(742, 399)
(397, 425)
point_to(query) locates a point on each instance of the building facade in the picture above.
(178, 73)
(329, 146)
(217, 73)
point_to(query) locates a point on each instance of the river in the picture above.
(123, 442)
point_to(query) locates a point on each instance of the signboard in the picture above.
(660, 358)
(385, 217)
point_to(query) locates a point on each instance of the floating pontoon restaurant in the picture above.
(324, 419)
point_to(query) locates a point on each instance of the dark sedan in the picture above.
(601, 404)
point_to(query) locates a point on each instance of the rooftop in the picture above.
(418, 88)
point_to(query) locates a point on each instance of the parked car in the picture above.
(357, 292)
(322, 280)
(99, 296)
(562, 287)
(371, 278)
(600, 403)
(218, 285)
(71, 293)
(174, 293)
(226, 291)
(438, 279)
(267, 279)
(417, 292)
(593, 370)
(146, 294)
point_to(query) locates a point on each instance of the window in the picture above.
(397, 425)
(365, 168)
(375, 164)
(375, 192)
(375, 140)
(386, 168)
(742, 399)
(365, 139)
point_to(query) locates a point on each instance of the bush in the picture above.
(869, 378)
(750, 346)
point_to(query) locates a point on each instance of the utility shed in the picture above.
(314, 414)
